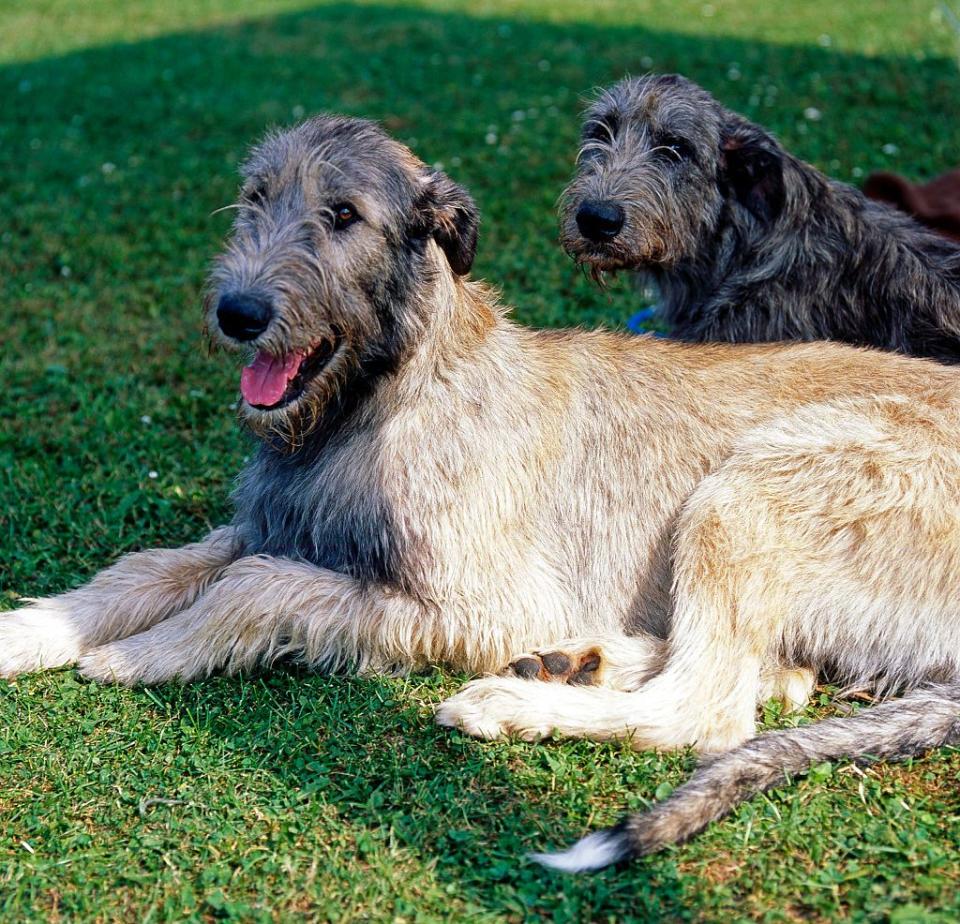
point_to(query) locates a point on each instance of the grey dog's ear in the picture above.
(751, 167)
(452, 218)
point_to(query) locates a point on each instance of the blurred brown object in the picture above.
(935, 204)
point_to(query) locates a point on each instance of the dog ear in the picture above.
(453, 220)
(751, 166)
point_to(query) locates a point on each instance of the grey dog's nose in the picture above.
(244, 316)
(599, 220)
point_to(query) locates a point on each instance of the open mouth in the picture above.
(272, 382)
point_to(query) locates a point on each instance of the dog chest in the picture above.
(315, 511)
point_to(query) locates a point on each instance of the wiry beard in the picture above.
(609, 260)
(597, 274)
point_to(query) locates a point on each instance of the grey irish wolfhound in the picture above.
(744, 241)
(658, 535)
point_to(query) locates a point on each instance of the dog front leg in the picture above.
(137, 592)
(262, 609)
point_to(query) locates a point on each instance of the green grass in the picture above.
(294, 795)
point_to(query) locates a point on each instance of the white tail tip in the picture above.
(595, 851)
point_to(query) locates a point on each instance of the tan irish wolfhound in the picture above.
(671, 532)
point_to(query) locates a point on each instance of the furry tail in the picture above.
(923, 719)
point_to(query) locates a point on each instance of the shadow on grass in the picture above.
(397, 786)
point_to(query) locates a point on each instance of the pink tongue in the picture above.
(265, 380)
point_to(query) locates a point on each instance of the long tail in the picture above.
(923, 719)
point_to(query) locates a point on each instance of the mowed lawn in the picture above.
(289, 795)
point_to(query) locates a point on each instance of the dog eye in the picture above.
(677, 149)
(344, 215)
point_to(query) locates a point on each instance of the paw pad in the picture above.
(559, 667)
(528, 668)
(556, 663)
(588, 672)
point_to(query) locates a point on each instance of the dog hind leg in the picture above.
(707, 693)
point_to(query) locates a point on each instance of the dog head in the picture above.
(340, 240)
(659, 161)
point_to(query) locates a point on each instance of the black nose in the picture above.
(599, 220)
(244, 316)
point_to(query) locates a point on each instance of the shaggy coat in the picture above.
(743, 241)
(655, 535)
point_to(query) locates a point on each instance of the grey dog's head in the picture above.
(339, 239)
(660, 160)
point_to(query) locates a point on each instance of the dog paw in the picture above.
(793, 686)
(107, 664)
(126, 663)
(493, 707)
(581, 668)
(36, 637)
